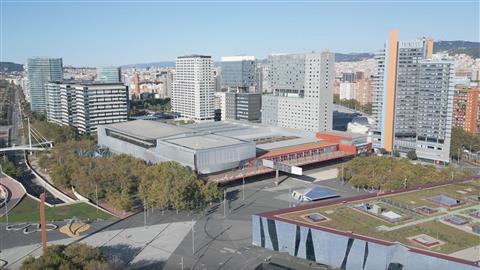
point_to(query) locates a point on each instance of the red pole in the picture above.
(43, 223)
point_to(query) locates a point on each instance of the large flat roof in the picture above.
(355, 217)
(207, 141)
(148, 129)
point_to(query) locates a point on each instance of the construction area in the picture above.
(441, 221)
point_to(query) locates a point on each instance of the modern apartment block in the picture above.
(109, 74)
(41, 71)
(220, 103)
(347, 90)
(302, 86)
(466, 110)
(194, 87)
(472, 111)
(363, 91)
(238, 73)
(86, 105)
(243, 106)
(412, 99)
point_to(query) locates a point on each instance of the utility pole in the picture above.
(343, 179)
(224, 202)
(43, 222)
(96, 195)
(289, 197)
(193, 237)
(243, 186)
(29, 135)
(144, 212)
(181, 262)
(405, 182)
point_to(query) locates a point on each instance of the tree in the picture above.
(412, 155)
(9, 168)
(463, 140)
(75, 256)
(387, 173)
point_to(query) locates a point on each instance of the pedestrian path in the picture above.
(15, 190)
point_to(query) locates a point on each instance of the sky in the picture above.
(108, 32)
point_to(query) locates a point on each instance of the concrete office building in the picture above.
(109, 74)
(302, 87)
(86, 105)
(238, 73)
(243, 106)
(408, 99)
(41, 71)
(194, 87)
(225, 151)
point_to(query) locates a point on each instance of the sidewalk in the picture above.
(16, 193)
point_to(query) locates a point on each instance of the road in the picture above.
(27, 178)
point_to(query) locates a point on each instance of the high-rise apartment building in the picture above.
(347, 90)
(363, 91)
(86, 105)
(109, 74)
(472, 111)
(194, 87)
(412, 99)
(302, 86)
(219, 103)
(238, 73)
(41, 71)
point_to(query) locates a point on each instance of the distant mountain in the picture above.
(458, 47)
(352, 57)
(163, 64)
(10, 67)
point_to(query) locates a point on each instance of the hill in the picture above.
(10, 67)
(458, 47)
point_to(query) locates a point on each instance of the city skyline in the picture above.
(161, 30)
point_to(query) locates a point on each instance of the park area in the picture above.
(442, 219)
(28, 211)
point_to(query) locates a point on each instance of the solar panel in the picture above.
(319, 193)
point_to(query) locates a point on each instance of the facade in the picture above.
(156, 142)
(238, 73)
(324, 233)
(347, 90)
(472, 111)
(41, 71)
(435, 108)
(459, 106)
(86, 105)
(302, 86)
(243, 106)
(363, 91)
(109, 74)
(194, 87)
(220, 104)
(224, 151)
(348, 77)
(407, 103)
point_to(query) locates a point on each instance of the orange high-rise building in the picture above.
(471, 111)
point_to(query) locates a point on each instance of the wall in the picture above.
(342, 251)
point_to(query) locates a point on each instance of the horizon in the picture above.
(101, 34)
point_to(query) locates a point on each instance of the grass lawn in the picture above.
(454, 239)
(28, 211)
